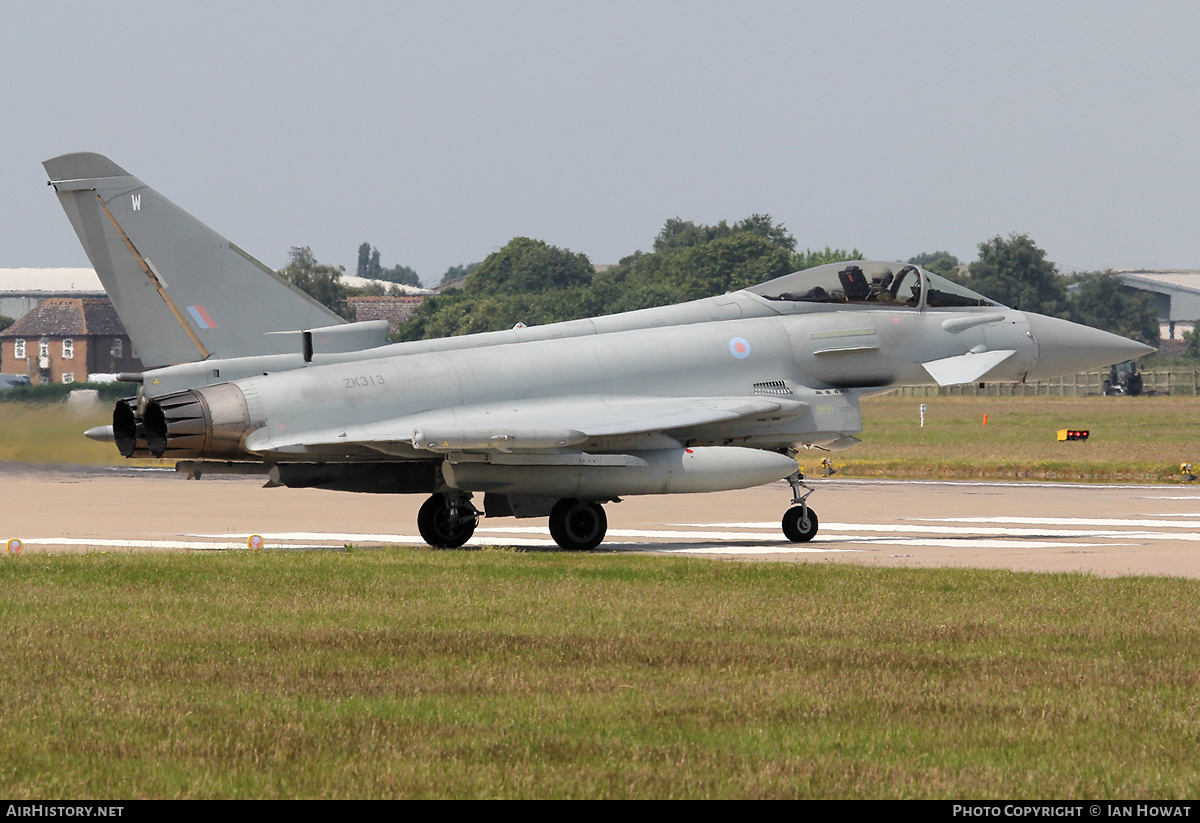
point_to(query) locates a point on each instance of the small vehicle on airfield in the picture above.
(1123, 380)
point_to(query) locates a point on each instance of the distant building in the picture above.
(396, 309)
(22, 290)
(354, 282)
(1174, 294)
(67, 340)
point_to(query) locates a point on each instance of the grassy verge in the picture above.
(412, 673)
(1140, 439)
(53, 433)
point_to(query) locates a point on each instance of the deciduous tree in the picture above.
(322, 282)
(939, 262)
(1100, 299)
(527, 265)
(810, 258)
(1015, 272)
(370, 268)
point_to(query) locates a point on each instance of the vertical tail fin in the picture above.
(183, 292)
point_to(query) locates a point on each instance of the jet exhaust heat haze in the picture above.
(247, 375)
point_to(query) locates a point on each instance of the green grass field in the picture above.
(413, 673)
(53, 433)
(1142, 439)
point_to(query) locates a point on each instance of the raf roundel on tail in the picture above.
(249, 375)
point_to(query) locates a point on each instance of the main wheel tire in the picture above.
(577, 526)
(800, 524)
(437, 527)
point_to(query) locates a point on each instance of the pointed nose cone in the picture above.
(103, 434)
(1066, 348)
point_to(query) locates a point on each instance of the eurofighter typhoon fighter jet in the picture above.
(245, 374)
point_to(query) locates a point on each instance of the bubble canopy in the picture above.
(870, 283)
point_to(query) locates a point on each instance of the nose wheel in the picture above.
(800, 522)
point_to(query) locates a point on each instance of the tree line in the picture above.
(1014, 271)
(529, 281)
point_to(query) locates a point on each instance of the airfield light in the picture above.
(1073, 434)
(14, 547)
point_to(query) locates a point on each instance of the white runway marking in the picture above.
(112, 543)
(1071, 521)
(733, 548)
(1127, 529)
(742, 542)
(819, 545)
(899, 529)
(740, 537)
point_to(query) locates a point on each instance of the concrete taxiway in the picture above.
(1107, 530)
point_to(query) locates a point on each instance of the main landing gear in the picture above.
(799, 522)
(577, 526)
(447, 521)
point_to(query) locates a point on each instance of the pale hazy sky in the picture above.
(440, 130)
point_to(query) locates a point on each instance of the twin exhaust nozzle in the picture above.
(210, 422)
(145, 435)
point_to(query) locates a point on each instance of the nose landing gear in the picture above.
(799, 522)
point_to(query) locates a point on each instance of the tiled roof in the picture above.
(68, 317)
(99, 317)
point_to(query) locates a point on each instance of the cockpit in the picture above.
(870, 284)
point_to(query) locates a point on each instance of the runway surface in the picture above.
(1106, 530)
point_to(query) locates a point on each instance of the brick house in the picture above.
(396, 309)
(66, 340)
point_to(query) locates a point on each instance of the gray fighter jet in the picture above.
(248, 375)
